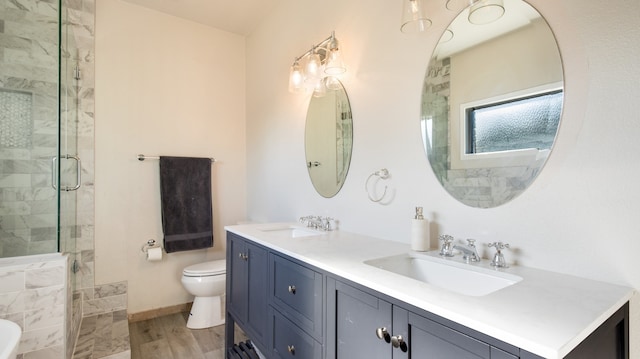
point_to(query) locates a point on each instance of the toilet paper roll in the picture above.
(154, 254)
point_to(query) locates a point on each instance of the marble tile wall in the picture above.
(435, 105)
(104, 336)
(105, 298)
(33, 293)
(29, 66)
(489, 187)
(28, 63)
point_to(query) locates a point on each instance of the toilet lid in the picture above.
(206, 268)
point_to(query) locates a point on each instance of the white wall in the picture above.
(579, 217)
(164, 86)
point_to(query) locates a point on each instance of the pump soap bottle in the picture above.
(419, 232)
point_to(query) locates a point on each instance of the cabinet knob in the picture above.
(398, 342)
(291, 349)
(383, 334)
(243, 256)
(292, 289)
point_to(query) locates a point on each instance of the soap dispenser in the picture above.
(419, 232)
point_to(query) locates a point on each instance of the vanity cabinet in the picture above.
(362, 325)
(290, 309)
(247, 286)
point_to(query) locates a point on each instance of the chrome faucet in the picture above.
(317, 222)
(469, 251)
(498, 259)
(447, 245)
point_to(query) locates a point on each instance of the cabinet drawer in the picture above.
(297, 292)
(289, 341)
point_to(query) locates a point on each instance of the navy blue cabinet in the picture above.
(359, 325)
(369, 327)
(439, 341)
(290, 309)
(289, 341)
(247, 287)
(297, 293)
(296, 312)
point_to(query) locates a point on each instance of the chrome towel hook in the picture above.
(382, 174)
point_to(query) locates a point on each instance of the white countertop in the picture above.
(547, 313)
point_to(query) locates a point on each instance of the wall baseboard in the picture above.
(159, 312)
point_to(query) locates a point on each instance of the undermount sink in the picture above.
(292, 231)
(462, 278)
(10, 334)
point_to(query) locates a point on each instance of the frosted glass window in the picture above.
(529, 122)
(16, 125)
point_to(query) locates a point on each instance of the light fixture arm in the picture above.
(324, 62)
(324, 44)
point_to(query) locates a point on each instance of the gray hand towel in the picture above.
(185, 190)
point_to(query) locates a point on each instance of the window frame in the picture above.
(508, 157)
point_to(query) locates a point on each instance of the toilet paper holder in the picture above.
(150, 244)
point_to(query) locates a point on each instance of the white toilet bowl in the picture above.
(206, 281)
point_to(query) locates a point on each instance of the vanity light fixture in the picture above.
(414, 17)
(296, 78)
(321, 64)
(485, 11)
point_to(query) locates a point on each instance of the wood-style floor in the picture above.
(168, 337)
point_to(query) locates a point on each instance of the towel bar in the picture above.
(142, 157)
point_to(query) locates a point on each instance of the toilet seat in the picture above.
(206, 269)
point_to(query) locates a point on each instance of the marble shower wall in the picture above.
(33, 293)
(29, 99)
(29, 72)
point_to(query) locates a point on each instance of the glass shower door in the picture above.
(29, 131)
(68, 164)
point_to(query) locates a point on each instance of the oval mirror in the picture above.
(491, 104)
(328, 139)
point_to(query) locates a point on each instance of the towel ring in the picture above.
(381, 174)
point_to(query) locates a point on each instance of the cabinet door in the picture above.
(237, 278)
(434, 340)
(257, 291)
(354, 316)
(247, 286)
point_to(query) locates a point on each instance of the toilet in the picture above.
(206, 281)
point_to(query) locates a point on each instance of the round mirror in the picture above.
(328, 139)
(491, 104)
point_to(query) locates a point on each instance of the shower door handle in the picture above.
(78, 173)
(54, 171)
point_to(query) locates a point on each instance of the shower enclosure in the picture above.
(39, 165)
(46, 170)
